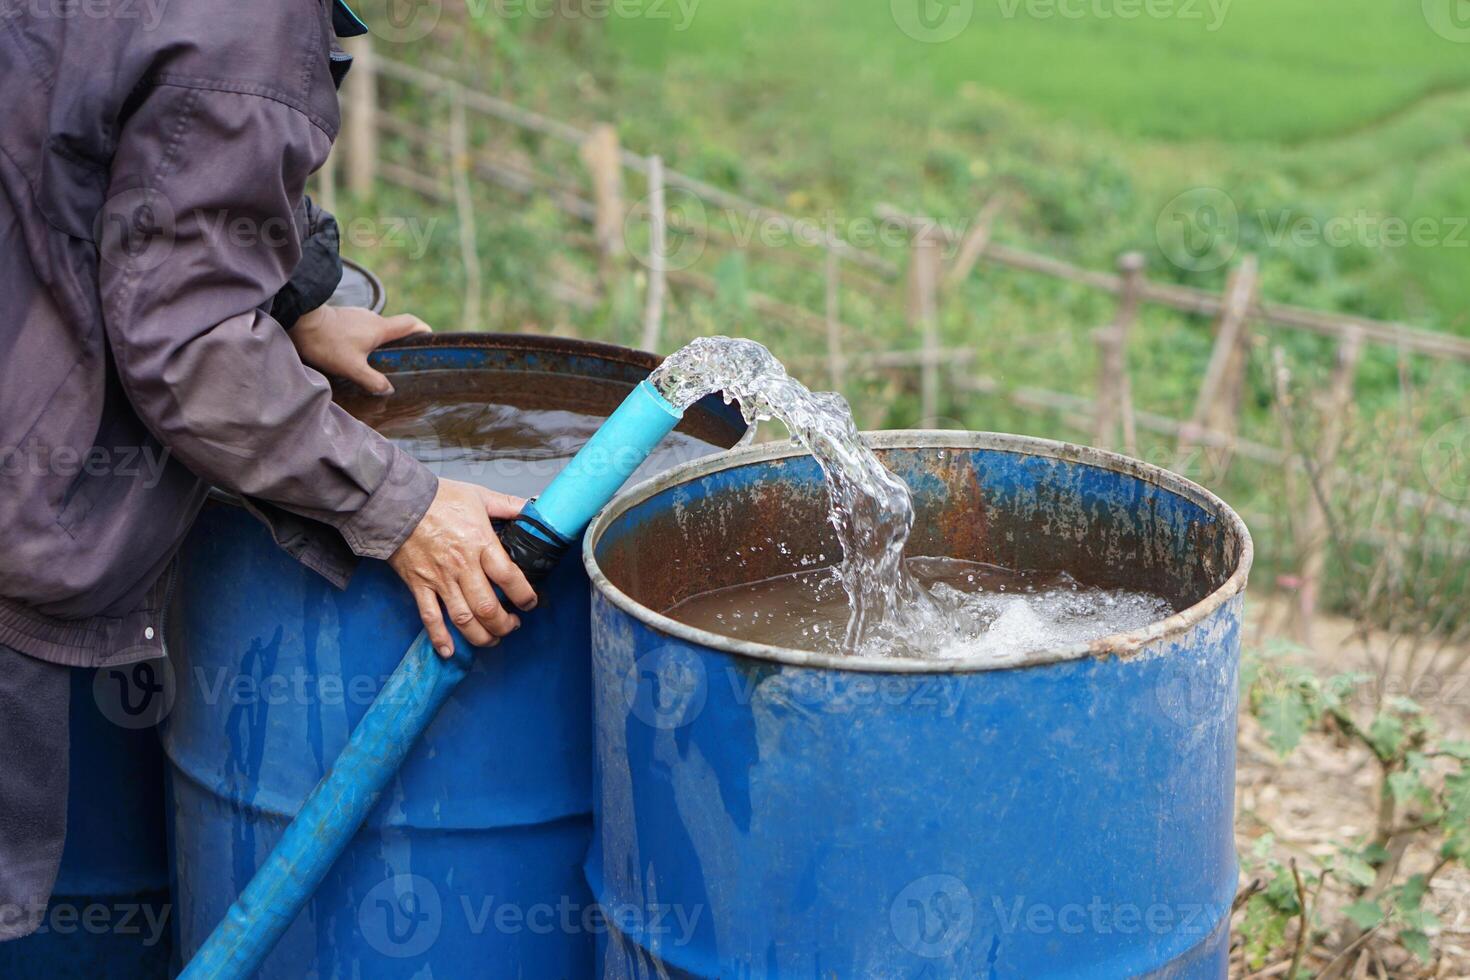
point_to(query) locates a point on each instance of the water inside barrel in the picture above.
(991, 611)
(512, 431)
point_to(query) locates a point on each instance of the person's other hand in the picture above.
(337, 340)
(453, 556)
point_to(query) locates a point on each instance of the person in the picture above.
(162, 278)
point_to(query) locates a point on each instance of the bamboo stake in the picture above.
(1315, 537)
(1217, 407)
(1114, 387)
(653, 311)
(600, 154)
(360, 120)
(974, 245)
(924, 264)
(464, 206)
(835, 358)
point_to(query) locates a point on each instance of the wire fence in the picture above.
(477, 139)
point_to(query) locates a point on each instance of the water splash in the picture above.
(871, 508)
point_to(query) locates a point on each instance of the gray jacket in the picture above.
(152, 163)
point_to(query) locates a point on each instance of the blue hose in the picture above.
(407, 704)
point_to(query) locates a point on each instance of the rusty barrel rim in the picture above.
(1116, 644)
(362, 276)
(527, 342)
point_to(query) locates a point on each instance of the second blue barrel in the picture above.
(470, 865)
(770, 812)
(110, 914)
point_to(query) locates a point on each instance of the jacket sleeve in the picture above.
(196, 239)
(316, 276)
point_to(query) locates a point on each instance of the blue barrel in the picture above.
(110, 914)
(470, 866)
(770, 812)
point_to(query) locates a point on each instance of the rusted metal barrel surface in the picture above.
(763, 811)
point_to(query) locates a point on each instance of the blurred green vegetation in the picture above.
(1301, 114)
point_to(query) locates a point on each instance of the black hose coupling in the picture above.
(535, 548)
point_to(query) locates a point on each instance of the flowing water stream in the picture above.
(888, 605)
(871, 509)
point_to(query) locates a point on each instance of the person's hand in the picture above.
(453, 556)
(337, 340)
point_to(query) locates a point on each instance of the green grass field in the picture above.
(1219, 70)
(1302, 112)
(1332, 131)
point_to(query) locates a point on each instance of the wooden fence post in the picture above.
(836, 361)
(924, 266)
(653, 309)
(1216, 419)
(602, 156)
(464, 204)
(360, 119)
(1114, 387)
(1333, 409)
(976, 240)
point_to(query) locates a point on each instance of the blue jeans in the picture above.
(34, 747)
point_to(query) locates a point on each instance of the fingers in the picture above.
(433, 620)
(369, 380)
(506, 574)
(402, 325)
(501, 506)
(470, 616)
(453, 557)
(489, 613)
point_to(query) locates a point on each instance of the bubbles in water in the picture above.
(990, 613)
(1005, 626)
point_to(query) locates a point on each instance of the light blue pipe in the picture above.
(599, 470)
(335, 810)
